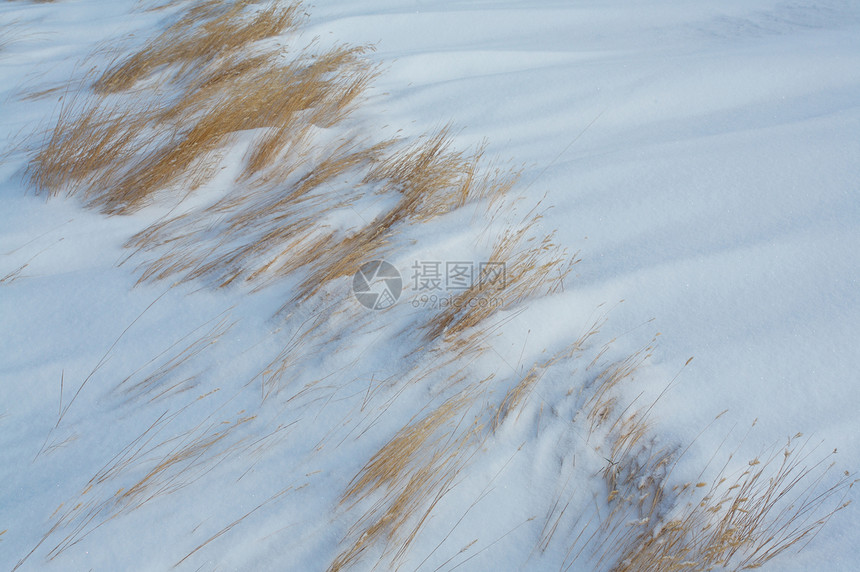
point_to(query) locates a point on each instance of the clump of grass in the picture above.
(430, 179)
(531, 266)
(743, 521)
(268, 231)
(208, 30)
(256, 234)
(159, 120)
(117, 149)
(433, 178)
(407, 478)
(730, 522)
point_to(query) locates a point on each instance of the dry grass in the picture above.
(149, 467)
(197, 86)
(208, 30)
(14, 275)
(635, 468)
(405, 480)
(157, 379)
(122, 149)
(603, 402)
(255, 234)
(744, 521)
(532, 266)
(429, 179)
(269, 231)
(517, 395)
(727, 522)
(116, 149)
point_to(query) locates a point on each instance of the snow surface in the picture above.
(703, 158)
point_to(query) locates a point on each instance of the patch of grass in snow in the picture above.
(740, 521)
(154, 464)
(405, 479)
(117, 149)
(730, 520)
(534, 266)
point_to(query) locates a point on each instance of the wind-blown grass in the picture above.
(152, 465)
(413, 472)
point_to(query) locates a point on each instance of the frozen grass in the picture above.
(117, 154)
(151, 466)
(726, 521)
(743, 521)
(153, 128)
(405, 480)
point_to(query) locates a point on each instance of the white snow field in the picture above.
(700, 160)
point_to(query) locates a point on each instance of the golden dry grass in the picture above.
(731, 522)
(429, 179)
(533, 266)
(124, 155)
(158, 122)
(405, 480)
(270, 230)
(255, 234)
(195, 88)
(208, 30)
(118, 155)
(118, 152)
(743, 521)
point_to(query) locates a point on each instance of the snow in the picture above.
(702, 158)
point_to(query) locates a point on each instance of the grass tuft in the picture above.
(406, 479)
(117, 148)
(744, 521)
